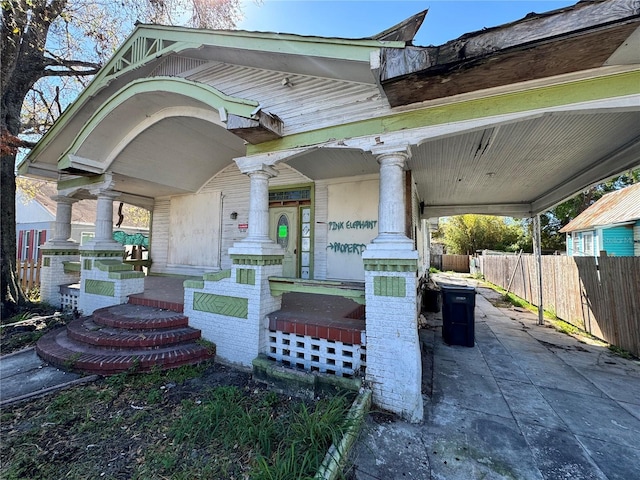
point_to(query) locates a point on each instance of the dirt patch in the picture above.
(25, 333)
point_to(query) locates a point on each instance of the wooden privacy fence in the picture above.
(28, 273)
(455, 263)
(600, 295)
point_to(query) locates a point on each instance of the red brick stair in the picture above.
(123, 337)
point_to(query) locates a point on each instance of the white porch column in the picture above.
(258, 231)
(105, 279)
(231, 308)
(257, 241)
(62, 228)
(394, 366)
(391, 209)
(103, 239)
(59, 253)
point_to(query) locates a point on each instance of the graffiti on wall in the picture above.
(350, 248)
(353, 225)
(356, 248)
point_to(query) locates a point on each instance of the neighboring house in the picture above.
(610, 225)
(278, 163)
(36, 215)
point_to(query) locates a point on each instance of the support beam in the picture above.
(537, 242)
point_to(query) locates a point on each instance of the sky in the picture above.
(446, 20)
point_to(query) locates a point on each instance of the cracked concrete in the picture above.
(526, 402)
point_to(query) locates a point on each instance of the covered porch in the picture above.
(369, 138)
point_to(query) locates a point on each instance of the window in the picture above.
(283, 231)
(26, 244)
(587, 243)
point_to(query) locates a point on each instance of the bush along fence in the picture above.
(28, 273)
(597, 294)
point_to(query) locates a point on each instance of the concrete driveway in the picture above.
(526, 402)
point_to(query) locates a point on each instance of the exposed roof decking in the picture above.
(575, 38)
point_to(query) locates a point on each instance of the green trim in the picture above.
(112, 266)
(390, 265)
(87, 264)
(217, 276)
(622, 84)
(280, 285)
(246, 276)
(125, 275)
(390, 286)
(100, 287)
(54, 252)
(102, 253)
(176, 39)
(270, 371)
(221, 304)
(46, 262)
(257, 260)
(206, 94)
(195, 284)
(71, 267)
(80, 182)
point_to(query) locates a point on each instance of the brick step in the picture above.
(124, 337)
(85, 330)
(141, 299)
(138, 317)
(57, 348)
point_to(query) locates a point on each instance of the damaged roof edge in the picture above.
(533, 28)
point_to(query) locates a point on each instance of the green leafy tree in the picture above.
(466, 234)
(50, 48)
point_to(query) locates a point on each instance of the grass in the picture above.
(207, 421)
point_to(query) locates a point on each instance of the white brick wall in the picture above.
(53, 276)
(393, 349)
(89, 302)
(238, 340)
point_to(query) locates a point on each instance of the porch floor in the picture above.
(162, 292)
(322, 316)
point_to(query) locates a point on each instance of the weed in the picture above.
(106, 429)
(70, 363)
(621, 352)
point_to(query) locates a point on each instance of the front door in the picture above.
(283, 226)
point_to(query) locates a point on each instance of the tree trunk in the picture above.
(12, 294)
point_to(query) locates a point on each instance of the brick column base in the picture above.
(106, 280)
(231, 307)
(394, 367)
(59, 267)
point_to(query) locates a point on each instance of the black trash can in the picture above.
(431, 300)
(458, 321)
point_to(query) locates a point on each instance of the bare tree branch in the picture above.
(55, 60)
(70, 73)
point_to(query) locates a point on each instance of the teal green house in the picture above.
(611, 225)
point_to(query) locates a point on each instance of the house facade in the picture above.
(610, 226)
(275, 163)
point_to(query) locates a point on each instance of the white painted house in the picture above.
(276, 163)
